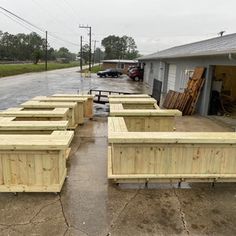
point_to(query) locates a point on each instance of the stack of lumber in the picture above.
(186, 102)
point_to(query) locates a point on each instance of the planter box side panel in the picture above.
(149, 124)
(31, 171)
(138, 106)
(89, 108)
(80, 110)
(170, 159)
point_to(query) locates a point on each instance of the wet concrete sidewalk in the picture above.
(90, 205)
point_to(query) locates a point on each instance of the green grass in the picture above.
(16, 69)
(94, 69)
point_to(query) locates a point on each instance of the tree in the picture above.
(98, 55)
(85, 53)
(29, 47)
(120, 47)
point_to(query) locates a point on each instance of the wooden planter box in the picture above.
(128, 96)
(145, 120)
(169, 156)
(135, 103)
(79, 101)
(8, 125)
(88, 108)
(33, 163)
(49, 106)
(56, 114)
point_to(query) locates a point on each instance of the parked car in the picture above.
(131, 68)
(136, 74)
(109, 73)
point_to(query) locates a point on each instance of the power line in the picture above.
(71, 9)
(44, 9)
(34, 26)
(61, 39)
(20, 18)
(26, 27)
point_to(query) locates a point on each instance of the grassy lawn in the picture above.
(94, 69)
(16, 69)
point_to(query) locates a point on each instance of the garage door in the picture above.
(171, 77)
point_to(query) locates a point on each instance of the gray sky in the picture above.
(154, 24)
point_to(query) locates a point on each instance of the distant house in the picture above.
(174, 66)
(121, 65)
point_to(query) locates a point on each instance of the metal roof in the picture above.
(120, 61)
(215, 46)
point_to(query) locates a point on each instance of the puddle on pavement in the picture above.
(184, 185)
(101, 109)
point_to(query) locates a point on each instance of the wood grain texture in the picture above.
(170, 156)
(73, 116)
(33, 163)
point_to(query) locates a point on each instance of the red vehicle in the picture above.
(136, 74)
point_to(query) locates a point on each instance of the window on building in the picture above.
(121, 66)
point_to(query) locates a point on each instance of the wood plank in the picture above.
(133, 100)
(146, 112)
(173, 137)
(20, 112)
(33, 125)
(36, 142)
(129, 96)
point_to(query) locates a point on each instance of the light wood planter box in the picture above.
(88, 106)
(128, 96)
(145, 120)
(8, 125)
(56, 114)
(135, 102)
(169, 156)
(49, 106)
(33, 163)
(81, 104)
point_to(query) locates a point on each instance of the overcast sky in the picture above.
(154, 24)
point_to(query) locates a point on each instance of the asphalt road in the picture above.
(15, 90)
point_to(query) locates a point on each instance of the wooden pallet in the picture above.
(186, 102)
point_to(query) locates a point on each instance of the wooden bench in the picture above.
(170, 156)
(135, 103)
(56, 114)
(49, 106)
(33, 163)
(145, 120)
(88, 109)
(79, 101)
(8, 125)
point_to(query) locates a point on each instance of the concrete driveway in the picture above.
(88, 203)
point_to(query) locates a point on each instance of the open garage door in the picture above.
(223, 91)
(171, 77)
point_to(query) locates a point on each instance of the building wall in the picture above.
(160, 72)
(108, 65)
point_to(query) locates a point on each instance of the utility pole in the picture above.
(46, 52)
(81, 53)
(94, 49)
(90, 43)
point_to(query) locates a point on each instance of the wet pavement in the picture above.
(90, 205)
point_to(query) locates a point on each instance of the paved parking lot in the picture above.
(88, 203)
